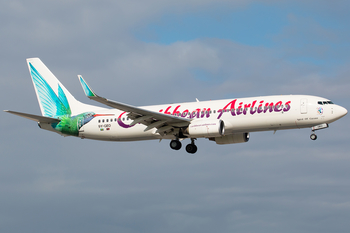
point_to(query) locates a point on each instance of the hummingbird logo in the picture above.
(57, 106)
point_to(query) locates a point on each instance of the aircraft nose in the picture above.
(342, 111)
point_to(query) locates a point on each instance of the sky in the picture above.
(157, 52)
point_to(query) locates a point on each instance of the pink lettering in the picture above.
(185, 113)
(260, 110)
(205, 112)
(278, 106)
(287, 106)
(246, 106)
(268, 107)
(239, 110)
(252, 110)
(166, 111)
(176, 112)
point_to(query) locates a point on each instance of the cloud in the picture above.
(304, 36)
(275, 182)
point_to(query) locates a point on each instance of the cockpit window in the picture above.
(324, 102)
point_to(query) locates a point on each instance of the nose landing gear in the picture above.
(313, 136)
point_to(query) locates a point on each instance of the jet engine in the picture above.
(205, 128)
(231, 138)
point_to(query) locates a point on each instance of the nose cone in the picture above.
(341, 111)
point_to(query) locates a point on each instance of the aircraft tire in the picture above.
(175, 144)
(313, 136)
(191, 148)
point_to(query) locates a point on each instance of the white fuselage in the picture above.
(240, 115)
(226, 121)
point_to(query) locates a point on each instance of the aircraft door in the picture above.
(303, 106)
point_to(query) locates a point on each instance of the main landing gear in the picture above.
(190, 148)
(175, 144)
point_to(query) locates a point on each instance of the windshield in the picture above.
(324, 102)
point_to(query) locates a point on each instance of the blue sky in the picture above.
(157, 52)
(256, 24)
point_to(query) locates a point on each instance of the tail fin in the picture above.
(54, 99)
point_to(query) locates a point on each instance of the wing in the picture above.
(163, 122)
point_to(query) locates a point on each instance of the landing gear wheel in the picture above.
(313, 136)
(191, 148)
(175, 144)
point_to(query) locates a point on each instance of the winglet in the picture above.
(88, 91)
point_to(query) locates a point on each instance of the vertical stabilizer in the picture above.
(54, 99)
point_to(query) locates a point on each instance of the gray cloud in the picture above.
(282, 182)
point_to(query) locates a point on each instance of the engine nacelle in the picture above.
(232, 138)
(206, 128)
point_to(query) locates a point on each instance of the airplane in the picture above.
(227, 121)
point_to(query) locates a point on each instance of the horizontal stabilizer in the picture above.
(36, 118)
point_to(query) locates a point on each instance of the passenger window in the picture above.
(103, 120)
(106, 120)
(99, 121)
